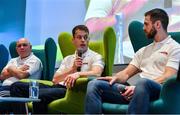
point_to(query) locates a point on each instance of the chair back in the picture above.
(12, 49)
(109, 39)
(178, 74)
(47, 55)
(50, 52)
(105, 47)
(4, 56)
(138, 37)
(65, 44)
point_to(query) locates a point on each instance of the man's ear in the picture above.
(158, 24)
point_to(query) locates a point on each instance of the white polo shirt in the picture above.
(34, 63)
(153, 58)
(90, 59)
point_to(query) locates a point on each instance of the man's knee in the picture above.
(94, 84)
(16, 88)
(142, 82)
(142, 86)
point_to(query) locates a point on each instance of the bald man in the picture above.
(23, 66)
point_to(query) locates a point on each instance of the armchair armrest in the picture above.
(73, 102)
(46, 82)
(170, 95)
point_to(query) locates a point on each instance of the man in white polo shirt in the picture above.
(155, 63)
(26, 65)
(23, 66)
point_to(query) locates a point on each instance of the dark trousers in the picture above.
(46, 93)
(5, 107)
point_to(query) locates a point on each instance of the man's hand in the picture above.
(129, 91)
(70, 79)
(56, 80)
(107, 78)
(113, 79)
(77, 62)
(1, 77)
(24, 67)
(110, 79)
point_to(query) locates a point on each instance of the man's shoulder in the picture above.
(174, 42)
(14, 59)
(91, 52)
(69, 56)
(34, 57)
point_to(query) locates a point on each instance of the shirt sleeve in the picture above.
(98, 61)
(136, 61)
(34, 66)
(65, 64)
(10, 63)
(174, 58)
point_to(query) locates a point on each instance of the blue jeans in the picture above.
(146, 91)
(99, 91)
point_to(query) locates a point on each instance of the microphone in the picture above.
(121, 88)
(79, 53)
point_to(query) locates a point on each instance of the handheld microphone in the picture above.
(121, 88)
(79, 52)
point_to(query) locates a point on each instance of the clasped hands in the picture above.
(129, 90)
(10, 70)
(22, 68)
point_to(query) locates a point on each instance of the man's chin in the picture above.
(150, 37)
(83, 47)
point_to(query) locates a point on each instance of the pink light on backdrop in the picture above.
(98, 23)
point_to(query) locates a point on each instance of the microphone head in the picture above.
(80, 52)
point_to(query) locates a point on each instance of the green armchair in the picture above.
(47, 55)
(169, 100)
(73, 102)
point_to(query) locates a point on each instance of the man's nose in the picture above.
(83, 38)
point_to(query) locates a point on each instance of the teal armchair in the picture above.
(73, 102)
(47, 55)
(4, 56)
(169, 100)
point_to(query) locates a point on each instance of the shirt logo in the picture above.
(165, 53)
(85, 63)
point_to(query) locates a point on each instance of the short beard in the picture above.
(152, 33)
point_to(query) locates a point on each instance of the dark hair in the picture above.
(80, 27)
(159, 14)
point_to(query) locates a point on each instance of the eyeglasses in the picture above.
(80, 37)
(23, 44)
